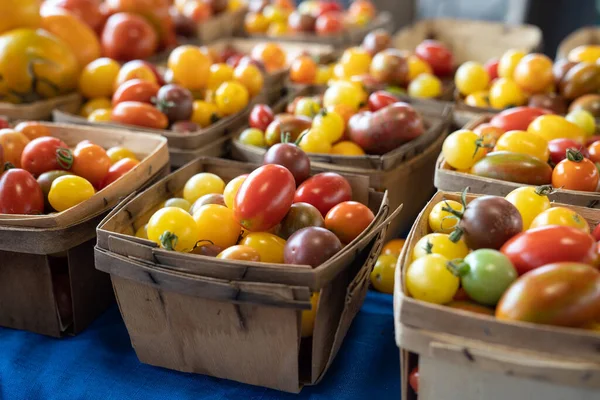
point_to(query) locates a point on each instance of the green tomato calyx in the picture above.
(458, 267)
(544, 190)
(480, 145)
(428, 247)
(168, 240)
(574, 155)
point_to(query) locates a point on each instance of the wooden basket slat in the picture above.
(224, 25)
(41, 110)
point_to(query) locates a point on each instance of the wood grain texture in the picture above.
(41, 110)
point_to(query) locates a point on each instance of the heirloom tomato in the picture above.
(441, 221)
(102, 115)
(558, 149)
(533, 73)
(380, 99)
(219, 73)
(178, 202)
(348, 220)
(202, 184)
(514, 167)
(19, 14)
(118, 153)
(264, 198)
(393, 248)
(347, 148)
(583, 119)
(506, 93)
(291, 157)
(426, 86)
(32, 130)
(135, 90)
(91, 162)
(137, 69)
(20, 193)
(383, 274)
(127, 36)
(12, 143)
(416, 67)
(217, 225)
(575, 173)
(437, 55)
(508, 62)
(45, 181)
(211, 198)
(530, 201)
(331, 124)
(139, 114)
(479, 99)
(490, 134)
(462, 149)
(253, 137)
(517, 118)
(250, 77)
(561, 216)
(240, 252)
(231, 190)
(119, 169)
(523, 142)
(231, 98)
(175, 101)
(173, 229)
(492, 68)
(471, 77)
(97, 80)
(68, 191)
(204, 113)
(429, 279)
(99, 103)
(190, 66)
(301, 215)
(439, 243)
(556, 127)
(261, 116)
(324, 191)
(89, 11)
(303, 70)
(311, 246)
(314, 142)
(46, 154)
(269, 246)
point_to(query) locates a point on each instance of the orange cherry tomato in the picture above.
(490, 135)
(303, 70)
(12, 143)
(393, 248)
(135, 90)
(139, 114)
(240, 252)
(91, 162)
(594, 151)
(32, 130)
(348, 220)
(575, 173)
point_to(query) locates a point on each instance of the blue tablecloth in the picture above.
(101, 364)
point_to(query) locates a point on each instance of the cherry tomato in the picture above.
(517, 119)
(491, 68)
(291, 157)
(490, 135)
(219, 73)
(330, 124)
(441, 221)
(100, 116)
(45, 181)
(178, 202)
(533, 73)
(425, 86)
(383, 274)
(261, 116)
(303, 70)
(127, 36)
(479, 99)
(231, 98)
(139, 114)
(269, 246)
(347, 148)
(250, 77)
(270, 54)
(91, 162)
(393, 248)
(355, 61)
(380, 99)
(324, 191)
(255, 23)
(348, 220)
(553, 127)
(264, 198)
(142, 232)
(20, 193)
(173, 229)
(12, 143)
(32, 130)
(596, 232)
(523, 142)
(231, 190)
(239, 252)
(315, 142)
(530, 201)
(217, 225)
(118, 169)
(344, 93)
(437, 55)
(46, 154)
(330, 23)
(471, 77)
(98, 78)
(413, 379)
(202, 184)
(68, 191)
(204, 113)
(428, 279)
(461, 149)
(508, 62)
(560, 216)
(253, 137)
(416, 67)
(308, 317)
(307, 107)
(190, 66)
(118, 153)
(584, 119)
(558, 149)
(99, 103)
(136, 90)
(575, 173)
(505, 93)
(439, 243)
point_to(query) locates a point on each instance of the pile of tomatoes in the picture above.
(517, 79)
(200, 91)
(530, 146)
(342, 121)
(518, 258)
(323, 17)
(42, 174)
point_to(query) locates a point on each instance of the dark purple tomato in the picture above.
(560, 69)
(175, 102)
(300, 216)
(212, 198)
(290, 156)
(549, 101)
(207, 249)
(185, 127)
(45, 181)
(311, 246)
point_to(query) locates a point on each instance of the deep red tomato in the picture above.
(492, 68)
(330, 23)
(20, 193)
(437, 55)
(348, 220)
(135, 90)
(264, 198)
(558, 149)
(592, 139)
(91, 162)
(119, 169)
(128, 36)
(381, 99)
(413, 379)
(324, 191)
(517, 118)
(550, 244)
(261, 116)
(139, 114)
(46, 154)
(596, 233)
(575, 173)
(4, 123)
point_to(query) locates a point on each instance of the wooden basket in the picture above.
(582, 36)
(41, 110)
(463, 354)
(232, 319)
(224, 25)
(48, 283)
(406, 173)
(448, 179)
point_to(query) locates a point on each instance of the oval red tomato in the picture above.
(437, 55)
(135, 90)
(91, 162)
(324, 191)
(20, 193)
(128, 36)
(550, 244)
(119, 169)
(139, 114)
(517, 118)
(261, 116)
(46, 154)
(264, 198)
(381, 99)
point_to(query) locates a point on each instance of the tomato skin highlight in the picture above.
(20, 193)
(537, 247)
(324, 191)
(264, 198)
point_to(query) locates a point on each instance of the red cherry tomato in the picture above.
(596, 233)
(492, 68)
(324, 191)
(46, 154)
(413, 379)
(119, 169)
(558, 149)
(135, 90)
(20, 193)
(517, 118)
(261, 116)
(330, 23)
(592, 139)
(323, 7)
(437, 55)
(91, 162)
(4, 123)
(381, 99)
(127, 36)
(139, 114)
(264, 198)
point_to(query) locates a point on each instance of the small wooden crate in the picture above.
(48, 283)
(446, 178)
(232, 319)
(41, 110)
(582, 36)
(468, 356)
(224, 25)
(406, 173)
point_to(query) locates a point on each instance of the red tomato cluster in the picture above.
(41, 173)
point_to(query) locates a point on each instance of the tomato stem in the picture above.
(544, 190)
(214, 117)
(480, 145)
(304, 133)
(574, 155)
(7, 166)
(65, 158)
(203, 240)
(168, 240)
(428, 247)
(456, 235)
(285, 137)
(458, 267)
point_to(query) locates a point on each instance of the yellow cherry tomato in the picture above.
(506, 93)
(345, 93)
(142, 232)
(307, 107)
(441, 221)
(560, 216)
(331, 124)
(68, 191)
(201, 184)
(315, 142)
(524, 142)
(347, 148)
(416, 67)
(308, 317)
(231, 190)
(552, 127)
(583, 119)
(461, 149)
(324, 74)
(250, 76)
(99, 103)
(478, 99)
(253, 137)
(179, 203)
(102, 115)
(269, 246)
(471, 77)
(383, 274)
(428, 279)
(277, 29)
(255, 22)
(219, 73)
(231, 98)
(393, 248)
(118, 153)
(173, 229)
(98, 78)
(204, 113)
(356, 61)
(190, 67)
(425, 86)
(530, 201)
(274, 14)
(508, 62)
(585, 53)
(440, 243)
(216, 223)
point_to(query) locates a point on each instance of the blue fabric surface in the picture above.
(100, 364)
